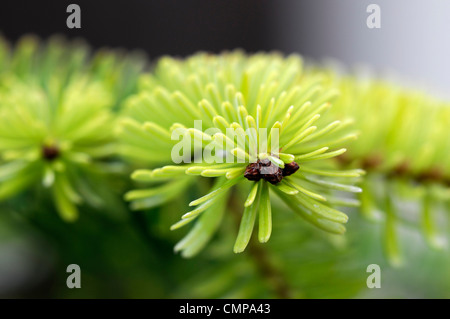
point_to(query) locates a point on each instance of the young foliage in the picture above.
(58, 120)
(405, 149)
(249, 94)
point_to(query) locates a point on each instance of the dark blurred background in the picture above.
(158, 27)
(413, 43)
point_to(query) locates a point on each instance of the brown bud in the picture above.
(50, 152)
(290, 168)
(274, 178)
(264, 169)
(252, 172)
